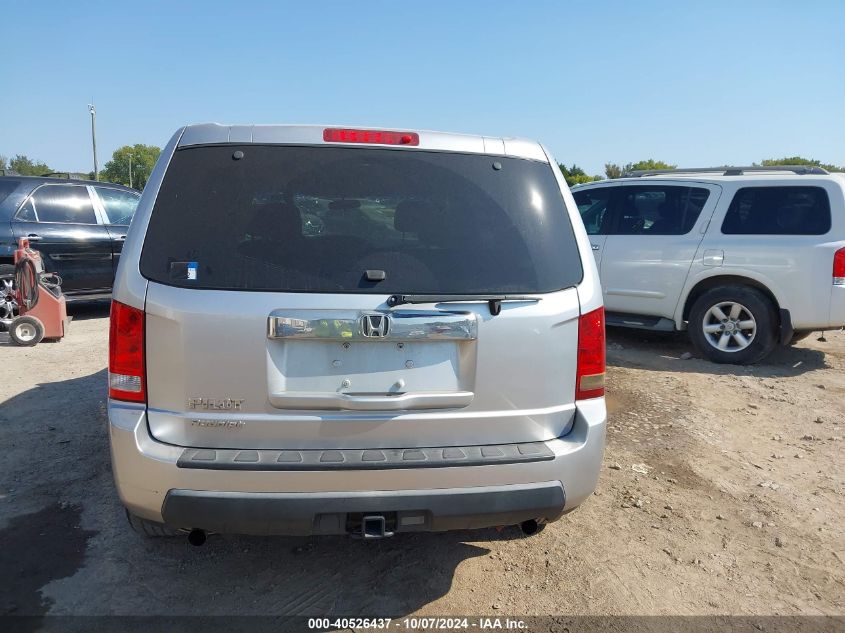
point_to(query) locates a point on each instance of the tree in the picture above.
(612, 170)
(24, 166)
(575, 175)
(144, 158)
(649, 164)
(798, 160)
(4, 163)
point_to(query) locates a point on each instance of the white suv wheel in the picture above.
(733, 324)
(729, 326)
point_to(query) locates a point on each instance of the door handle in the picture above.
(120, 238)
(34, 237)
(595, 247)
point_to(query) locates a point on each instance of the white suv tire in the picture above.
(733, 324)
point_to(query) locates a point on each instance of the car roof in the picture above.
(285, 134)
(39, 180)
(783, 178)
(25, 185)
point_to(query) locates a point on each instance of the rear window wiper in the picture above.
(493, 301)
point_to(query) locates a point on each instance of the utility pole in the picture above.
(94, 138)
(130, 171)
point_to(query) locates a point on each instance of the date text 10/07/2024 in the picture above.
(417, 624)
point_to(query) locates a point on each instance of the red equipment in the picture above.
(43, 310)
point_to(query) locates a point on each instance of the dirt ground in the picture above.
(721, 493)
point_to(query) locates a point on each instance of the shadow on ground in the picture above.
(664, 351)
(37, 548)
(84, 310)
(67, 548)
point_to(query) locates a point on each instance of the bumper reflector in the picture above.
(122, 382)
(591, 382)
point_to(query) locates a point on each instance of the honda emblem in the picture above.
(375, 325)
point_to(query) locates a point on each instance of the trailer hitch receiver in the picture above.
(374, 526)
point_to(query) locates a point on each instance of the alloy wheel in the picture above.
(729, 326)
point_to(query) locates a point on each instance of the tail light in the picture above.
(591, 356)
(127, 375)
(377, 137)
(839, 268)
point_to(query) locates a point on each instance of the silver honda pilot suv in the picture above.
(354, 331)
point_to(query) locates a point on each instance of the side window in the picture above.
(659, 210)
(778, 211)
(593, 204)
(64, 203)
(119, 205)
(27, 212)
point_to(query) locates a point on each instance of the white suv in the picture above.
(743, 258)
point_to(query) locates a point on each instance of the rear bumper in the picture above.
(837, 307)
(303, 513)
(152, 485)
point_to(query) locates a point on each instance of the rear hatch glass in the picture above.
(318, 218)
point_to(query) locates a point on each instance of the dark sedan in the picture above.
(78, 225)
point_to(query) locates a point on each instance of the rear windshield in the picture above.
(317, 219)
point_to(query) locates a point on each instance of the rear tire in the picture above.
(26, 331)
(734, 325)
(150, 529)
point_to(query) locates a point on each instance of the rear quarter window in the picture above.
(316, 218)
(118, 204)
(778, 211)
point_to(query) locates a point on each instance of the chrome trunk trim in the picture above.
(396, 325)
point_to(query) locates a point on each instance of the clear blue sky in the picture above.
(694, 83)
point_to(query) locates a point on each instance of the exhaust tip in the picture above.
(196, 537)
(530, 527)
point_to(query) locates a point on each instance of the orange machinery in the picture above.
(41, 304)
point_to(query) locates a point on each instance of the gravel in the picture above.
(69, 549)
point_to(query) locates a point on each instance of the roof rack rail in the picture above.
(57, 174)
(801, 170)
